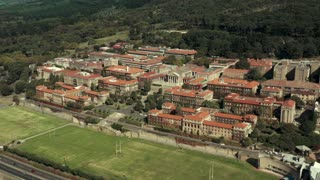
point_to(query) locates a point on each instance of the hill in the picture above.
(253, 28)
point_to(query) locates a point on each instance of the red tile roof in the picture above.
(182, 51)
(250, 100)
(217, 124)
(291, 84)
(138, 52)
(197, 81)
(81, 75)
(44, 89)
(117, 82)
(270, 89)
(65, 86)
(189, 93)
(154, 111)
(228, 116)
(125, 69)
(151, 75)
(152, 49)
(302, 92)
(241, 125)
(197, 117)
(250, 117)
(233, 83)
(235, 71)
(171, 117)
(260, 62)
(289, 103)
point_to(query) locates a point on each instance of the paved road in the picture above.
(136, 128)
(24, 170)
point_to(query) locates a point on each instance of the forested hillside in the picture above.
(252, 28)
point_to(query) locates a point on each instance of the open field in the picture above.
(94, 152)
(123, 35)
(17, 122)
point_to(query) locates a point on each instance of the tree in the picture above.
(210, 104)
(6, 90)
(138, 107)
(25, 74)
(20, 86)
(243, 64)
(254, 74)
(129, 101)
(147, 86)
(109, 101)
(246, 142)
(299, 103)
(134, 96)
(15, 99)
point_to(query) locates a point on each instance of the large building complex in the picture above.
(297, 70)
(265, 107)
(289, 87)
(188, 98)
(79, 95)
(201, 122)
(224, 86)
(124, 72)
(115, 85)
(79, 78)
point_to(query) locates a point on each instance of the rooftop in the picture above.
(200, 116)
(117, 82)
(190, 93)
(218, 124)
(289, 103)
(291, 84)
(125, 69)
(81, 75)
(260, 62)
(181, 51)
(250, 100)
(229, 116)
(270, 89)
(234, 82)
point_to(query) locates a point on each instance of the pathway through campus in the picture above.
(31, 137)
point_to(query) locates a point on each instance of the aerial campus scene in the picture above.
(159, 89)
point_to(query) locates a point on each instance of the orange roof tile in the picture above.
(154, 111)
(233, 83)
(81, 75)
(291, 84)
(169, 116)
(197, 117)
(184, 92)
(117, 82)
(289, 103)
(270, 89)
(228, 116)
(182, 51)
(240, 125)
(217, 124)
(125, 69)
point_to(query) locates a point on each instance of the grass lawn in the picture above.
(18, 122)
(94, 152)
(123, 35)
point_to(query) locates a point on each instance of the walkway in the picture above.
(34, 136)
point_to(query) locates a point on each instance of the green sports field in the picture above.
(18, 122)
(94, 152)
